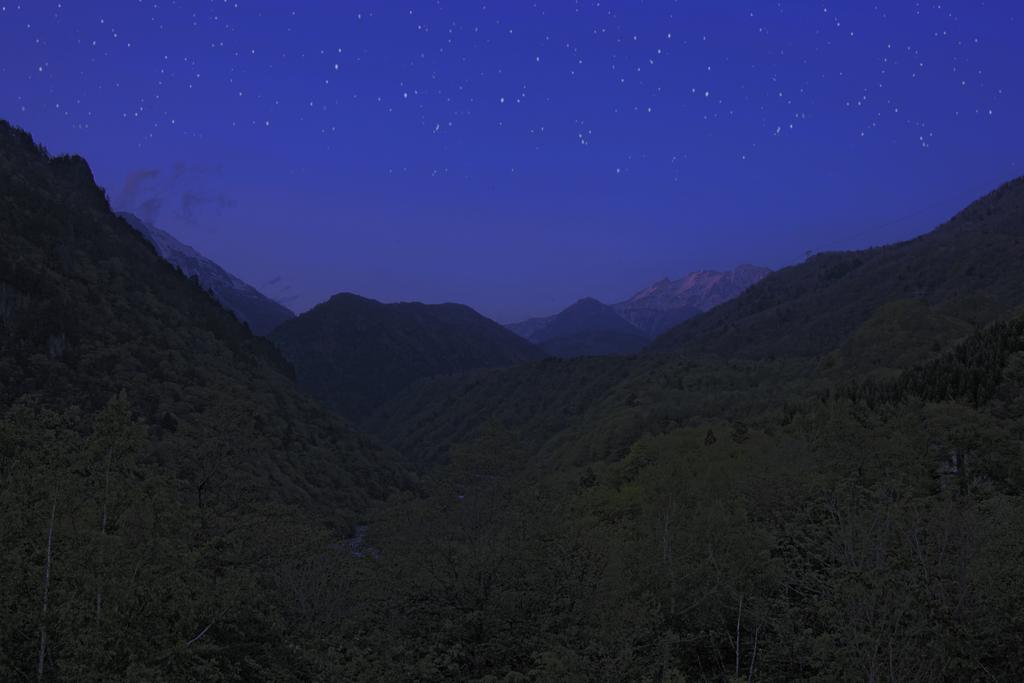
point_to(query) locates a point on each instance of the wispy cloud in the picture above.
(184, 193)
(278, 289)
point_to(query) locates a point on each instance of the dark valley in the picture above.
(259, 312)
(341, 468)
(733, 477)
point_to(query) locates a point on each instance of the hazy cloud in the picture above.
(149, 209)
(278, 289)
(184, 193)
(135, 185)
(194, 204)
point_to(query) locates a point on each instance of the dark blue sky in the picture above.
(516, 157)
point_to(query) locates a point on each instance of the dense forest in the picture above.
(354, 353)
(819, 480)
(161, 478)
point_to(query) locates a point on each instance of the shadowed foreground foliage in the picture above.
(158, 449)
(172, 509)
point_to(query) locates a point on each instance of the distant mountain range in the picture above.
(855, 419)
(667, 303)
(588, 328)
(260, 312)
(353, 353)
(591, 328)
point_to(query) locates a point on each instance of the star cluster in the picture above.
(638, 138)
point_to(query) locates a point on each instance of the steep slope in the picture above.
(898, 335)
(589, 328)
(88, 308)
(527, 328)
(162, 448)
(727, 379)
(260, 312)
(352, 353)
(759, 501)
(667, 303)
(538, 400)
(902, 495)
(814, 307)
(595, 343)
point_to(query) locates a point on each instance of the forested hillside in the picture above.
(354, 353)
(851, 512)
(815, 306)
(832, 492)
(735, 520)
(157, 465)
(591, 328)
(588, 328)
(255, 309)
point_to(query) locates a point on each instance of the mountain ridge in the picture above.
(589, 328)
(667, 303)
(813, 307)
(121, 376)
(261, 313)
(83, 300)
(353, 352)
(648, 313)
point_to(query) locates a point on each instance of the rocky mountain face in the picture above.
(590, 327)
(260, 312)
(667, 303)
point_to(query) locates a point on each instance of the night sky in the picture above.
(517, 157)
